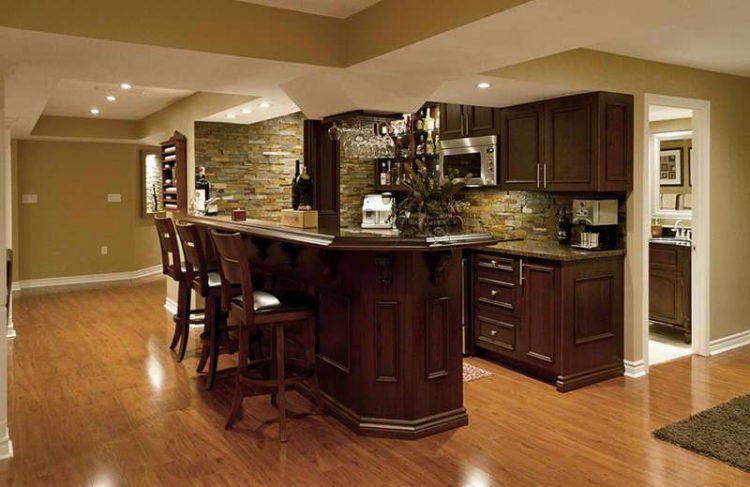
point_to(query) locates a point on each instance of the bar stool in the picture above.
(278, 311)
(173, 267)
(202, 274)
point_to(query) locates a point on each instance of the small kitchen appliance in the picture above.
(377, 211)
(594, 224)
(472, 160)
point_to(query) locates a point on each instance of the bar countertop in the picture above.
(348, 238)
(549, 250)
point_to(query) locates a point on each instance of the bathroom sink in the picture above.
(672, 241)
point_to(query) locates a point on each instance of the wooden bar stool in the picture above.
(203, 276)
(173, 267)
(277, 311)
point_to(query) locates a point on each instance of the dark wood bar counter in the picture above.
(389, 318)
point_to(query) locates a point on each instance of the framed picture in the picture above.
(670, 167)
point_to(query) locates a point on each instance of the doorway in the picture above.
(676, 149)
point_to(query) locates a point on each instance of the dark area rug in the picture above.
(722, 432)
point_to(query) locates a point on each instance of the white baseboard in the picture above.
(170, 305)
(635, 368)
(11, 334)
(87, 279)
(16, 286)
(730, 342)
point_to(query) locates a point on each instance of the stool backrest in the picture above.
(234, 268)
(194, 250)
(170, 248)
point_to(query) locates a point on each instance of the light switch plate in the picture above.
(114, 198)
(104, 250)
(29, 199)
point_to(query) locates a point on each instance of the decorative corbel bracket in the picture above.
(437, 263)
(262, 245)
(384, 268)
(292, 251)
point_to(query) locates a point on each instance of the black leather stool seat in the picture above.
(265, 302)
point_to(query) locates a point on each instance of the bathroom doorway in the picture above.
(676, 246)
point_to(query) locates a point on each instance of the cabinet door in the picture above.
(451, 121)
(481, 121)
(570, 149)
(539, 317)
(521, 146)
(615, 142)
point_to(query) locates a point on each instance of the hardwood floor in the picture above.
(96, 398)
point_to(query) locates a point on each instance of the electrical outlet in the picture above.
(105, 250)
(114, 198)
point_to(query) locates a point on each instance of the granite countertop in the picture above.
(342, 238)
(549, 250)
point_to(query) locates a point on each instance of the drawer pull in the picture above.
(493, 292)
(493, 332)
(493, 262)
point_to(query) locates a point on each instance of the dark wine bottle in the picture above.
(295, 186)
(202, 190)
(305, 187)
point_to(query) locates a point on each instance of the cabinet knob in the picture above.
(493, 292)
(493, 262)
(493, 332)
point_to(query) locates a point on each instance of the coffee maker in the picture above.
(594, 224)
(377, 211)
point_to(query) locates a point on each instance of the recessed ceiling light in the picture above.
(126, 86)
(94, 111)
(265, 104)
(247, 110)
(111, 98)
(231, 115)
(483, 85)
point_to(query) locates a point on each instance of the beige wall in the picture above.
(584, 69)
(62, 234)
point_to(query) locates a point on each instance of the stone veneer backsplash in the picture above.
(514, 214)
(356, 180)
(235, 164)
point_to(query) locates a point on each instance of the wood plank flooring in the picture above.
(96, 398)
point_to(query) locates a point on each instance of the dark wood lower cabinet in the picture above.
(669, 297)
(558, 320)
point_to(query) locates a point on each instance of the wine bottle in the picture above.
(295, 186)
(202, 190)
(305, 185)
(429, 122)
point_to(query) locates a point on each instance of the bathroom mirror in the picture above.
(153, 189)
(671, 158)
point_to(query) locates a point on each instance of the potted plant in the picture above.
(430, 205)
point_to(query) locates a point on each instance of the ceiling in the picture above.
(66, 75)
(72, 98)
(714, 36)
(331, 8)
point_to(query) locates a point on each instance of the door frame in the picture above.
(700, 261)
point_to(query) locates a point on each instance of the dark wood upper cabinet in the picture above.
(521, 146)
(581, 143)
(451, 121)
(480, 121)
(457, 121)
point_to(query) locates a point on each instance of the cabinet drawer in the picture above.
(499, 268)
(665, 256)
(499, 334)
(497, 293)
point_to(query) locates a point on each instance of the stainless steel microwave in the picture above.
(472, 159)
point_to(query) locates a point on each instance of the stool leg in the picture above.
(236, 408)
(210, 317)
(280, 374)
(178, 316)
(185, 321)
(213, 350)
(309, 344)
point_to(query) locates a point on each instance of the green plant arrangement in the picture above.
(430, 205)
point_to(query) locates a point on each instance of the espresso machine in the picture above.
(377, 211)
(594, 224)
